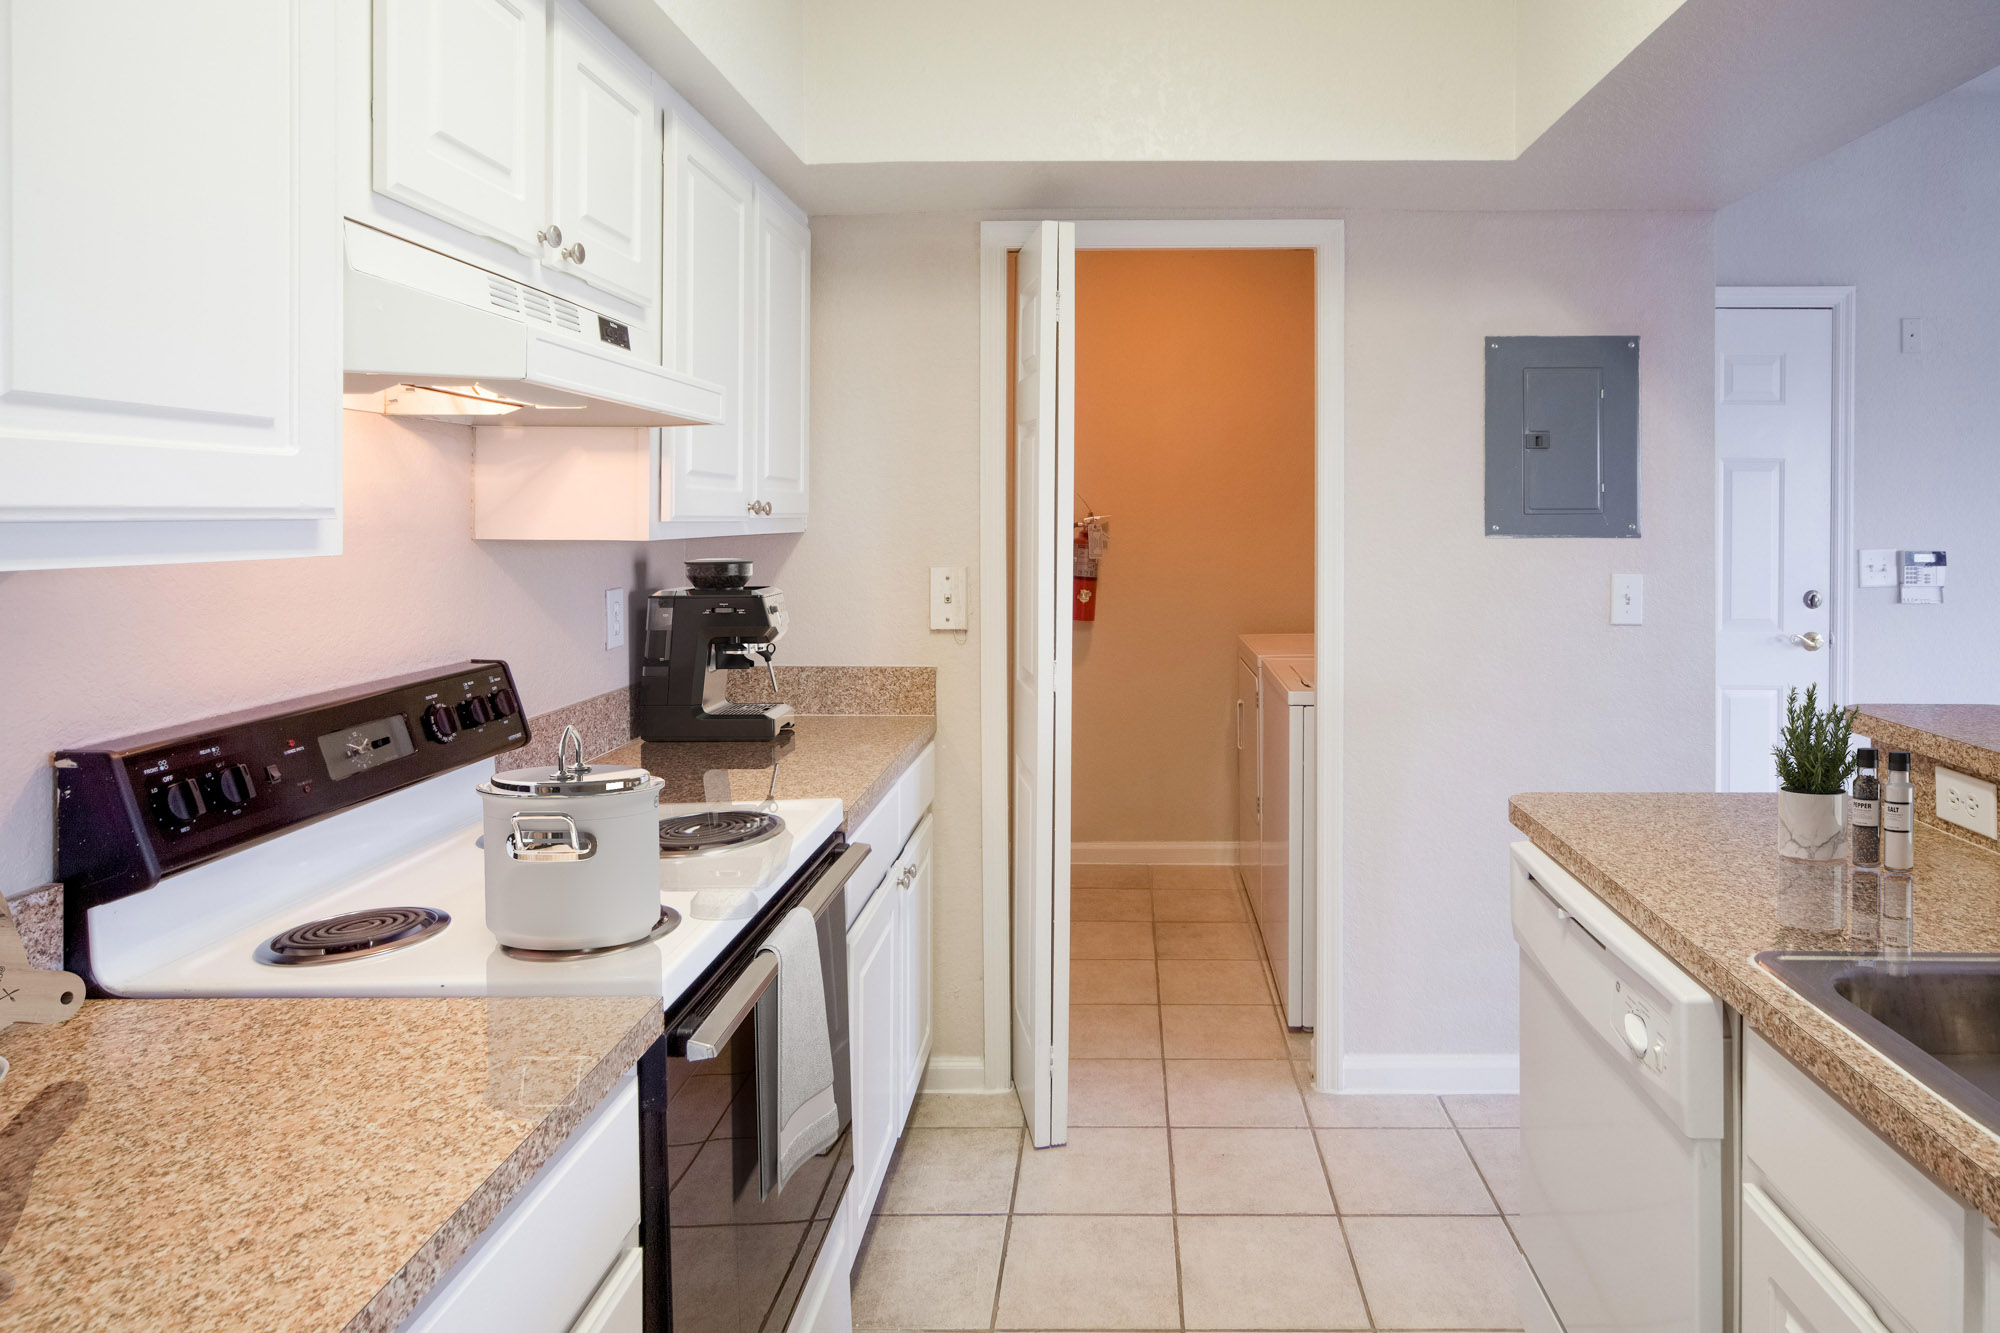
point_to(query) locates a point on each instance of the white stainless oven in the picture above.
(1624, 1065)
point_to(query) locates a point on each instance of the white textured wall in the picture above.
(1910, 217)
(94, 654)
(1480, 667)
(895, 490)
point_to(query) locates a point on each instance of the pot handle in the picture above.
(548, 838)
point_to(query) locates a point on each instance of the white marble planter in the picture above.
(1811, 827)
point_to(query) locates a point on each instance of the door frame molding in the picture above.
(1326, 237)
(1839, 301)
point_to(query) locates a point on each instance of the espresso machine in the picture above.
(696, 634)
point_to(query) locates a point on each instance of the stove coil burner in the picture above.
(355, 935)
(716, 830)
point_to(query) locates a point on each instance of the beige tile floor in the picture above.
(1204, 1184)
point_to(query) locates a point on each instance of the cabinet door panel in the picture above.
(915, 928)
(784, 283)
(136, 381)
(1788, 1286)
(461, 112)
(712, 288)
(606, 162)
(872, 1032)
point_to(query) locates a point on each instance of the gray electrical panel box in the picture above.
(1562, 437)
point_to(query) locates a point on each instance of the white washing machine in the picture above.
(1282, 892)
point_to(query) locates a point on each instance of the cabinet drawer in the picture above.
(1790, 1287)
(1898, 1236)
(552, 1246)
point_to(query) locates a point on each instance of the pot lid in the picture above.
(570, 776)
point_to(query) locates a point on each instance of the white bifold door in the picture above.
(1044, 478)
(1774, 602)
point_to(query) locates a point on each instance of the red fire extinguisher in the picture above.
(1084, 607)
(1092, 534)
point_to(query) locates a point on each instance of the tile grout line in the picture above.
(1021, 1149)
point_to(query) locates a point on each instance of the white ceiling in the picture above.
(1722, 98)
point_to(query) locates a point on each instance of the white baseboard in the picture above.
(1154, 853)
(957, 1073)
(1430, 1073)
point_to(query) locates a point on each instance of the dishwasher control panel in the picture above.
(1649, 1015)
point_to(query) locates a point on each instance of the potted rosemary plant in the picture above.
(1815, 759)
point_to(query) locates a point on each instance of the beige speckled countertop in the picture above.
(297, 1164)
(1964, 736)
(1697, 875)
(854, 758)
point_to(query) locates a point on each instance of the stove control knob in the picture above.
(474, 712)
(182, 802)
(440, 723)
(502, 703)
(235, 786)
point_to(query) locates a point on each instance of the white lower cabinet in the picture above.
(620, 1303)
(871, 1002)
(912, 880)
(1788, 1286)
(889, 979)
(1839, 1232)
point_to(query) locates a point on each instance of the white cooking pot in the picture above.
(572, 853)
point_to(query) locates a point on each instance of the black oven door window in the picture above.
(739, 1256)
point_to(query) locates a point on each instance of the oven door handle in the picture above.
(835, 879)
(736, 1004)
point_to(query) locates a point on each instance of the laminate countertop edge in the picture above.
(1940, 1140)
(460, 1232)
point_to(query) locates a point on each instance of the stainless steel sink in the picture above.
(1937, 1015)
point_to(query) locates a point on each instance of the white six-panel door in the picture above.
(606, 162)
(1044, 461)
(461, 113)
(1774, 511)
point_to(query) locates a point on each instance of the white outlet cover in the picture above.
(1878, 568)
(1966, 801)
(1628, 599)
(614, 618)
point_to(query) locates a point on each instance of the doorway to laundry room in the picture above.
(1182, 782)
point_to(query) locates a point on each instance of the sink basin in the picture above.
(1936, 1015)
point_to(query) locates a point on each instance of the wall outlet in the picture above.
(1628, 599)
(614, 618)
(1912, 331)
(1966, 802)
(948, 597)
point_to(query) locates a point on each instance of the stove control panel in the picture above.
(134, 810)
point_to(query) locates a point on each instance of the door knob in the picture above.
(550, 236)
(1812, 640)
(1812, 599)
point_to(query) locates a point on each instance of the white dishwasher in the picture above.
(1623, 1082)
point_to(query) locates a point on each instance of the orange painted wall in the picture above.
(1194, 426)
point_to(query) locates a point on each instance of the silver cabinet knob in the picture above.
(752, 506)
(1812, 599)
(1812, 640)
(550, 236)
(573, 253)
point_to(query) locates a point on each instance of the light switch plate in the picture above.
(948, 597)
(1628, 599)
(614, 618)
(1966, 802)
(1878, 568)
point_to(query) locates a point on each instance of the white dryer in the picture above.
(1282, 892)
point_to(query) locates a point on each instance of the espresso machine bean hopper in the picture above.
(694, 636)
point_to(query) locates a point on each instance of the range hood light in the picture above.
(454, 400)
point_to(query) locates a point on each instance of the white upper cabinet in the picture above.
(461, 113)
(711, 470)
(784, 301)
(605, 161)
(152, 408)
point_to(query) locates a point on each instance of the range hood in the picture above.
(434, 337)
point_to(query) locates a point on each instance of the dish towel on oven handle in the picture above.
(808, 1116)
